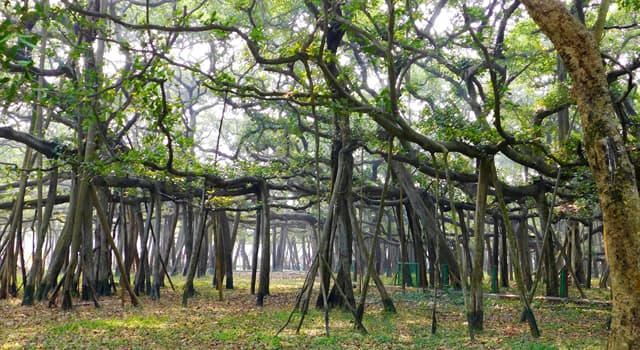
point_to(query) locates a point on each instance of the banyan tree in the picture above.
(427, 143)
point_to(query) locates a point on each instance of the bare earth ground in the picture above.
(235, 322)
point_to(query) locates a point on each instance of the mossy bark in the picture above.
(608, 158)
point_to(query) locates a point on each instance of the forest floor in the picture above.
(236, 323)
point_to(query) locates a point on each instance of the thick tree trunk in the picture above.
(608, 158)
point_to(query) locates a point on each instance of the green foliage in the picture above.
(257, 34)
(449, 123)
(557, 94)
(629, 4)
(583, 185)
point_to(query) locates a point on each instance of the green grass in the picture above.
(235, 322)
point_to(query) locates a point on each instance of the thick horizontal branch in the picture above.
(32, 203)
(49, 149)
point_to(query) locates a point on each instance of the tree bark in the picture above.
(265, 233)
(608, 158)
(548, 256)
(475, 316)
(427, 218)
(228, 241)
(193, 263)
(504, 260)
(405, 273)
(157, 256)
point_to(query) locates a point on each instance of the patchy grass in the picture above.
(236, 323)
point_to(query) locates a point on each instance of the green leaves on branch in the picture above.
(450, 124)
(629, 4)
(558, 94)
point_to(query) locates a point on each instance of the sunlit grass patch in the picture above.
(235, 322)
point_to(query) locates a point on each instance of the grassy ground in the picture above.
(235, 323)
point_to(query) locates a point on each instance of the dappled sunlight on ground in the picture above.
(236, 322)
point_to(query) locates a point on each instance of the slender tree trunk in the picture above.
(171, 224)
(265, 228)
(254, 255)
(522, 244)
(418, 248)
(280, 248)
(103, 253)
(87, 257)
(9, 263)
(37, 267)
(157, 256)
(142, 268)
(404, 255)
(227, 247)
(61, 249)
(427, 218)
(295, 258)
(576, 251)
(42, 225)
(124, 275)
(189, 291)
(77, 220)
(219, 218)
(475, 316)
(527, 313)
(187, 227)
(465, 259)
(590, 254)
(504, 261)
(305, 254)
(550, 267)
(495, 254)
